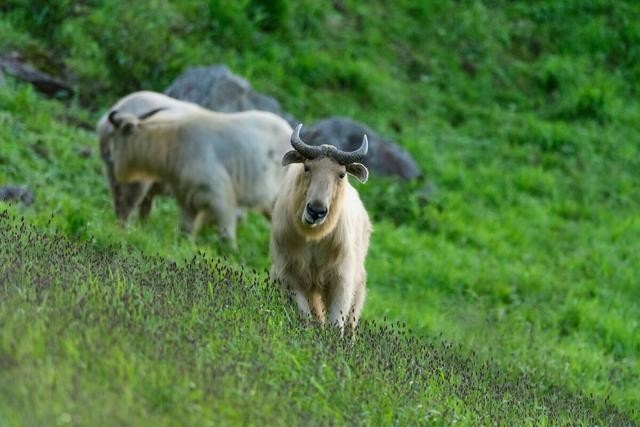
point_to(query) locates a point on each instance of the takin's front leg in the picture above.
(358, 303)
(146, 204)
(301, 299)
(340, 303)
(317, 305)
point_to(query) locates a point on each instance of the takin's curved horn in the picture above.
(151, 113)
(308, 151)
(112, 119)
(349, 157)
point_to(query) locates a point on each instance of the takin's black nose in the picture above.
(316, 210)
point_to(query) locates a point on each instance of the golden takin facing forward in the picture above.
(320, 232)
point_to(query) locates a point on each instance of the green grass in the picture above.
(524, 119)
(110, 337)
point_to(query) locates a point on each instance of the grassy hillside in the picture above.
(95, 337)
(523, 117)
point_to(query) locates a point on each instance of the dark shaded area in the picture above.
(84, 151)
(16, 193)
(14, 64)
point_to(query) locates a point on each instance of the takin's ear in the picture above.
(114, 119)
(359, 171)
(292, 157)
(128, 125)
(124, 123)
(127, 128)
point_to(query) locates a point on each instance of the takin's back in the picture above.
(138, 103)
(248, 145)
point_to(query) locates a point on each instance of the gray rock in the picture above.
(218, 89)
(22, 194)
(384, 156)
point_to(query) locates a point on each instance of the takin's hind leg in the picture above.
(267, 214)
(225, 217)
(241, 215)
(198, 221)
(219, 204)
(187, 216)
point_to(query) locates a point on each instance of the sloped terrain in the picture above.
(108, 337)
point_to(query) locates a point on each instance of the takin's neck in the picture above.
(147, 157)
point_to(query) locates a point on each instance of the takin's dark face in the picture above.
(323, 180)
(126, 196)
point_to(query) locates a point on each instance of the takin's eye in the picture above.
(342, 175)
(306, 169)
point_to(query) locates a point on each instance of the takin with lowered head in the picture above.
(213, 162)
(320, 232)
(127, 196)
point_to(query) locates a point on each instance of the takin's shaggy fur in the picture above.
(127, 196)
(320, 233)
(213, 162)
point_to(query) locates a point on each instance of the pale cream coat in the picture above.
(128, 196)
(213, 162)
(323, 267)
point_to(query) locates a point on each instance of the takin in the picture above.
(320, 232)
(127, 196)
(214, 163)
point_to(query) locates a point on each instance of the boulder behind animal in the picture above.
(384, 156)
(218, 89)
